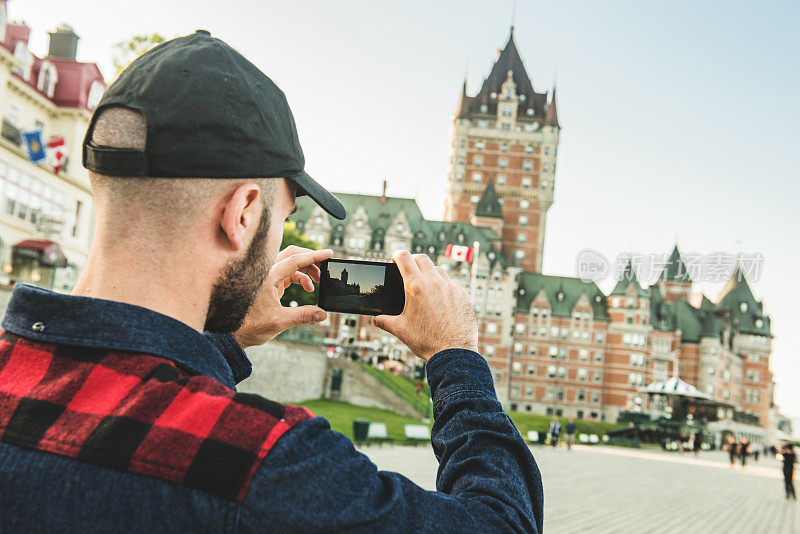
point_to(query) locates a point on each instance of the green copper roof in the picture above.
(628, 278)
(489, 204)
(747, 314)
(675, 269)
(563, 293)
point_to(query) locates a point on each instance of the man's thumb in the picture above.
(385, 322)
(303, 315)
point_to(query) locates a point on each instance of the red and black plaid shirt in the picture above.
(136, 413)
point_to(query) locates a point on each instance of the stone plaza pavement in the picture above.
(610, 489)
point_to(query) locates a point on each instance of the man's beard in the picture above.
(239, 283)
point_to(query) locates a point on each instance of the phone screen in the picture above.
(363, 287)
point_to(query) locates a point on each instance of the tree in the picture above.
(292, 236)
(126, 51)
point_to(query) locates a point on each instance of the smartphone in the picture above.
(363, 287)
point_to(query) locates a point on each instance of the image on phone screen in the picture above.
(362, 287)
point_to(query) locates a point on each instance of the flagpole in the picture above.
(474, 278)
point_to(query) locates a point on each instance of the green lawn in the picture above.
(341, 416)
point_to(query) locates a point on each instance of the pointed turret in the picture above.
(675, 270)
(551, 118)
(489, 204)
(628, 278)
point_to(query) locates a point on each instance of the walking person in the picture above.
(731, 448)
(697, 443)
(554, 431)
(756, 450)
(570, 433)
(789, 459)
(744, 450)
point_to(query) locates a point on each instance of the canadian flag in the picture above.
(56, 152)
(458, 252)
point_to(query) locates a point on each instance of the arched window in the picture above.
(48, 77)
(24, 56)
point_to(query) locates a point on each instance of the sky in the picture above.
(366, 276)
(679, 118)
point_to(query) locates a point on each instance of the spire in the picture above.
(675, 270)
(463, 102)
(551, 118)
(489, 205)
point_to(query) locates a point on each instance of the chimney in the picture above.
(63, 43)
(383, 195)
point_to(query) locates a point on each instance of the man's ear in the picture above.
(240, 214)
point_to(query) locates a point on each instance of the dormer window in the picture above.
(530, 112)
(759, 323)
(95, 94)
(359, 224)
(484, 108)
(24, 56)
(560, 296)
(48, 77)
(522, 98)
(743, 307)
(399, 228)
(493, 95)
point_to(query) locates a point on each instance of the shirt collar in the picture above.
(50, 317)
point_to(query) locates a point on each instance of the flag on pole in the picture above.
(33, 141)
(56, 152)
(458, 253)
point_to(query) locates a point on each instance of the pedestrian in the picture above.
(744, 450)
(697, 443)
(419, 387)
(789, 459)
(118, 403)
(570, 433)
(555, 431)
(756, 450)
(731, 447)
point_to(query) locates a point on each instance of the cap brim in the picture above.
(306, 185)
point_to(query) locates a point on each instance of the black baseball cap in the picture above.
(210, 113)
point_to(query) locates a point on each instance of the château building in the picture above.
(555, 344)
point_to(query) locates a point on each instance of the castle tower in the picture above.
(344, 277)
(675, 282)
(506, 134)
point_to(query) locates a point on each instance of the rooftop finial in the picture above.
(513, 15)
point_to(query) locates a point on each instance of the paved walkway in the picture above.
(610, 489)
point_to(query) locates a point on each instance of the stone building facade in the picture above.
(45, 216)
(555, 344)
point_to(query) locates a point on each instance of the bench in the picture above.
(417, 433)
(377, 434)
(583, 438)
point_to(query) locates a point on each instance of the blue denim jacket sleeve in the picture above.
(488, 481)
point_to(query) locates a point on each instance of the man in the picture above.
(555, 431)
(118, 413)
(570, 433)
(789, 459)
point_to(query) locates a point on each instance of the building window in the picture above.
(583, 355)
(524, 204)
(595, 397)
(529, 149)
(508, 111)
(551, 371)
(743, 307)
(504, 147)
(489, 350)
(484, 108)
(478, 161)
(553, 350)
(48, 77)
(582, 374)
(547, 151)
(519, 254)
(476, 177)
(598, 356)
(531, 369)
(526, 182)
(597, 376)
(518, 348)
(527, 165)
(516, 368)
(501, 179)
(753, 375)
(581, 396)
(491, 328)
(752, 396)
(519, 328)
(479, 145)
(503, 163)
(523, 220)
(521, 237)
(474, 199)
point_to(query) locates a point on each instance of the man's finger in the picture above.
(406, 264)
(443, 273)
(296, 262)
(303, 280)
(290, 250)
(425, 264)
(301, 315)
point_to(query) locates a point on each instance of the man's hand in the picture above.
(438, 314)
(267, 317)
